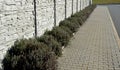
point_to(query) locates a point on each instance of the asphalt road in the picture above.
(115, 14)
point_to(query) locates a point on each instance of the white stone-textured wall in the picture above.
(17, 18)
(69, 8)
(82, 4)
(78, 5)
(45, 15)
(74, 6)
(60, 10)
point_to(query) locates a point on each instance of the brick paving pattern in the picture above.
(94, 46)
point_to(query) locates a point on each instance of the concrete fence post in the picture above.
(54, 13)
(72, 7)
(80, 5)
(65, 9)
(35, 18)
(83, 4)
(77, 6)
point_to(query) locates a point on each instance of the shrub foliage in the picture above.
(61, 35)
(71, 25)
(29, 55)
(52, 43)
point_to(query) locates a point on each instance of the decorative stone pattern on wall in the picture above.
(45, 15)
(17, 18)
(69, 7)
(60, 10)
(74, 6)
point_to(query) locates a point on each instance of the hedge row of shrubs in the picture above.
(41, 53)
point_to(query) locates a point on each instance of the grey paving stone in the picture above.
(94, 46)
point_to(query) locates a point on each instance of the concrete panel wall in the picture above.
(69, 8)
(17, 18)
(45, 15)
(60, 10)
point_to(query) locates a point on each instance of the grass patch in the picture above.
(106, 1)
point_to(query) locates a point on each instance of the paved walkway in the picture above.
(95, 46)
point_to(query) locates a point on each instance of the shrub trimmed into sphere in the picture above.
(71, 25)
(67, 30)
(50, 41)
(61, 35)
(29, 55)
